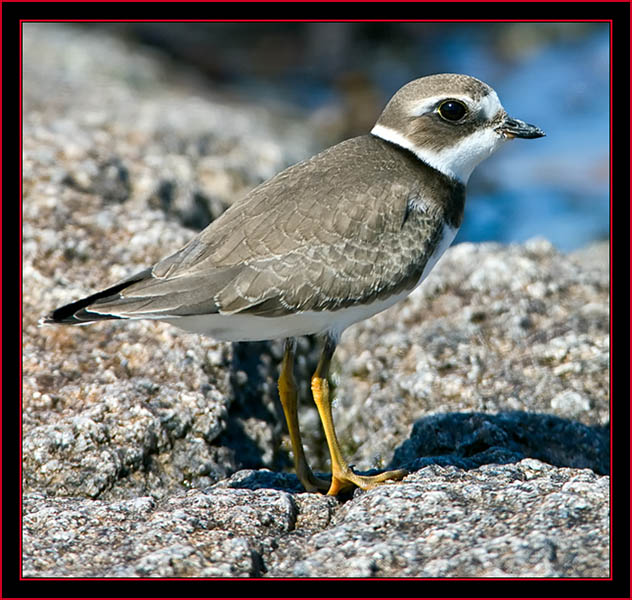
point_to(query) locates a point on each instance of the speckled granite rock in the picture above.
(219, 533)
(501, 355)
(523, 520)
(495, 521)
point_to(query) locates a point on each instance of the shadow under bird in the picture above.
(326, 243)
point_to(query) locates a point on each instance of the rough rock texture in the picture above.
(527, 519)
(146, 449)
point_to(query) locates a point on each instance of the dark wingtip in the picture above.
(48, 319)
(77, 313)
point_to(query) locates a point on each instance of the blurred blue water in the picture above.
(554, 75)
(558, 186)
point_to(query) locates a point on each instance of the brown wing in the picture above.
(324, 234)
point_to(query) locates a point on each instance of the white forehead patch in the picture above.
(488, 106)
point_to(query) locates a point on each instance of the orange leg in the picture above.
(287, 393)
(342, 477)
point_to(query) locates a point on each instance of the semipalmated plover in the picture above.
(328, 242)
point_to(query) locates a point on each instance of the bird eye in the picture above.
(452, 110)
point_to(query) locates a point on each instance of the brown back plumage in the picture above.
(321, 235)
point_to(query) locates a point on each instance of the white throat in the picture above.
(457, 161)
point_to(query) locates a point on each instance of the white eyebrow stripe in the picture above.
(488, 105)
(428, 104)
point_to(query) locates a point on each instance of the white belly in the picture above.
(250, 328)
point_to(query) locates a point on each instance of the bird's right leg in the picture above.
(342, 475)
(288, 395)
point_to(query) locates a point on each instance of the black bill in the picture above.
(516, 128)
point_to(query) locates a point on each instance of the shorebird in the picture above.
(326, 243)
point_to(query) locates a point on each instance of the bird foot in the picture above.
(347, 478)
(310, 482)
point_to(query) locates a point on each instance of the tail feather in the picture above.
(78, 313)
